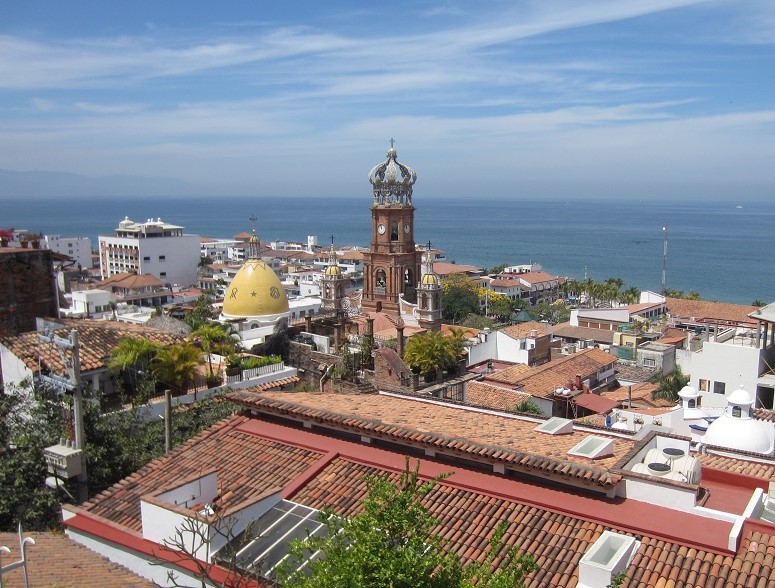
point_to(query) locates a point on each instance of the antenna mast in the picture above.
(664, 260)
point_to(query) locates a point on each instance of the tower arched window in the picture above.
(424, 300)
(408, 277)
(394, 231)
(381, 279)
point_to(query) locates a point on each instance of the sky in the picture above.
(630, 99)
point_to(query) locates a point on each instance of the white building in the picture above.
(91, 303)
(735, 356)
(77, 248)
(153, 247)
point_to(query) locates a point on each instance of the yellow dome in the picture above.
(430, 280)
(333, 270)
(254, 292)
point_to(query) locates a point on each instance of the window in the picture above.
(649, 362)
(719, 387)
(704, 385)
(523, 345)
(162, 258)
(146, 258)
(692, 403)
(394, 231)
(163, 275)
(737, 412)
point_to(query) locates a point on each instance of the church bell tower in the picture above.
(392, 265)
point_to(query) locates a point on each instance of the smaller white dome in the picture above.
(740, 397)
(688, 392)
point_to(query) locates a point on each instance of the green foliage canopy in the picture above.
(391, 544)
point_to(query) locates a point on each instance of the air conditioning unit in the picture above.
(64, 461)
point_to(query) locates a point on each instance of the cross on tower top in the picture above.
(391, 142)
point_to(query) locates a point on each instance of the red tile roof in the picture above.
(131, 281)
(96, 338)
(543, 380)
(247, 467)
(556, 526)
(641, 396)
(443, 268)
(703, 310)
(429, 425)
(537, 277)
(522, 330)
(495, 397)
(57, 561)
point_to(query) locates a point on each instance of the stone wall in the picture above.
(27, 289)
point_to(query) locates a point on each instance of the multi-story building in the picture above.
(153, 247)
(76, 248)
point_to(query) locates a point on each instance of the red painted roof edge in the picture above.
(87, 523)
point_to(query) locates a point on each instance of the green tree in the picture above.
(176, 366)
(202, 312)
(211, 337)
(670, 385)
(458, 302)
(132, 357)
(759, 303)
(478, 321)
(430, 353)
(117, 444)
(367, 360)
(28, 426)
(278, 343)
(391, 543)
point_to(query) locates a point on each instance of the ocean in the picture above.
(722, 250)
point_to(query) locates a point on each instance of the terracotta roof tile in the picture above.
(491, 437)
(523, 330)
(709, 311)
(246, 465)
(641, 395)
(96, 338)
(57, 561)
(488, 395)
(543, 380)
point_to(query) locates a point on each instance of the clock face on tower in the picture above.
(406, 229)
(381, 229)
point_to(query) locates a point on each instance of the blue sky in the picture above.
(544, 98)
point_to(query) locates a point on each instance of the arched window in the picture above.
(381, 279)
(424, 303)
(394, 231)
(408, 277)
(692, 403)
(737, 412)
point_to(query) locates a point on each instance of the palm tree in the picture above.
(132, 356)
(631, 295)
(670, 385)
(212, 337)
(430, 353)
(176, 366)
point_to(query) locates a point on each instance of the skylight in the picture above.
(556, 426)
(593, 447)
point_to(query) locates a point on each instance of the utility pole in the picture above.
(59, 459)
(664, 261)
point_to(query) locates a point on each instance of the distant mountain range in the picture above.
(42, 184)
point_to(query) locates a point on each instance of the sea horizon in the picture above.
(716, 248)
